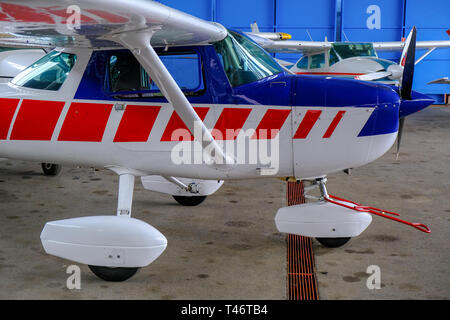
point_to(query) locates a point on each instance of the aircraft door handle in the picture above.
(119, 106)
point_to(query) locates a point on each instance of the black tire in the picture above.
(333, 242)
(189, 201)
(51, 169)
(113, 274)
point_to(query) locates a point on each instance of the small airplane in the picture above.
(358, 60)
(14, 61)
(147, 91)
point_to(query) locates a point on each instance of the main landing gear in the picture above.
(51, 169)
(189, 201)
(114, 247)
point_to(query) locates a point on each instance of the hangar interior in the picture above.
(342, 20)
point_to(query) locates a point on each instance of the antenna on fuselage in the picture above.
(307, 31)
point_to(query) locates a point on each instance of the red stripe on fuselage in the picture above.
(137, 123)
(36, 120)
(85, 122)
(175, 124)
(307, 124)
(272, 122)
(7, 109)
(231, 120)
(333, 124)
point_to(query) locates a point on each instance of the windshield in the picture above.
(349, 50)
(243, 60)
(48, 73)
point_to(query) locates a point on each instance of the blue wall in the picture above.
(317, 18)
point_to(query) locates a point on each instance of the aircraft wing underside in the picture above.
(94, 23)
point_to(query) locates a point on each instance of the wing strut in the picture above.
(139, 44)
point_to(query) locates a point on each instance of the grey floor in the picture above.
(228, 247)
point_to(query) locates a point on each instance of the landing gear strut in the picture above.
(329, 242)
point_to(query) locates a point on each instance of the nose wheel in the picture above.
(333, 242)
(113, 274)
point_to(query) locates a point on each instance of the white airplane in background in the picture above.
(147, 91)
(358, 60)
(14, 61)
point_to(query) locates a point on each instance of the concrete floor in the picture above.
(228, 247)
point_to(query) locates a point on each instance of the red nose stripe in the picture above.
(85, 122)
(333, 124)
(136, 124)
(36, 120)
(7, 110)
(271, 124)
(175, 124)
(231, 120)
(307, 124)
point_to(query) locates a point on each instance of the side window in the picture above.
(333, 56)
(127, 76)
(303, 63)
(48, 73)
(317, 61)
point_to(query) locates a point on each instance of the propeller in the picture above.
(407, 61)
(394, 71)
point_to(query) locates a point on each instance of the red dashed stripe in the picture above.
(333, 124)
(137, 123)
(175, 123)
(36, 120)
(7, 109)
(231, 119)
(271, 123)
(307, 124)
(85, 122)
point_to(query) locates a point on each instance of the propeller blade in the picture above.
(374, 76)
(407, 61)
(399, 135)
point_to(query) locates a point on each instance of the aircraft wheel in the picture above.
(113, 274)
(189, 201)
(333, 242)
(51, 169)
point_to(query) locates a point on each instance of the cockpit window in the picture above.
(348, 50)
(303, 63)
(126, 77)
(48, 73)
(243, 60)
(333, 56)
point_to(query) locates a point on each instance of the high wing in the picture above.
(290, 46)
(444, 80)
(399, 45)
(48, 23)
(138, 25)
(311, 47)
